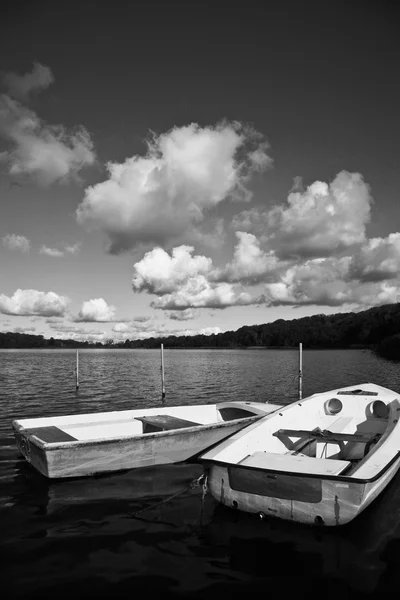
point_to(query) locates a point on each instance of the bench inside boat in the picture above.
(148, 424)
(155, 423)
(328, 444)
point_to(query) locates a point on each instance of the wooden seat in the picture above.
(50, 435)
(328, 444)
(155, 423)
(324, 435)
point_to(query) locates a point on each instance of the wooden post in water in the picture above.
(77, 369)
(300, 371)
(162, 373)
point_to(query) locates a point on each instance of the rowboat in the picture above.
(88, 444)
(319, 461)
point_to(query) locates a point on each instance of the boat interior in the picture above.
(324, 434)
(135, 422)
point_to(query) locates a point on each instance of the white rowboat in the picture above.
(88, 444)
(321, 460)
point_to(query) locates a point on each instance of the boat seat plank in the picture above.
(154, 423)
(325, 435)
(297, 463)
(50, 434)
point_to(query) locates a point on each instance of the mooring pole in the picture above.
(77, 369)
(300, 371)
(162, 373)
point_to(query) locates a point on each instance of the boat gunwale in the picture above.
(322, 477)
(19, 430)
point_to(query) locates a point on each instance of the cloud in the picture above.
(48, 153)
(184, 281)
(250, 263)
(184, 315)
(96, 311)
(320, 221)
(317, 281)
(323, 219)
(139, 324)
(198, 292)
(16, 242)
(163, 196)
(121, 327)
(52, 320)
(23, 329)
(73, 248)
(79, 334)
(51, 252)
(34, 303)
(161, 331)
(56, 253)
(377, 260)
(326, 282)
(21, 86)
(160, 273)
(63, 328)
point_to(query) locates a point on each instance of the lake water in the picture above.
(123, 534)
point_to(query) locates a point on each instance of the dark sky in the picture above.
(319, 79)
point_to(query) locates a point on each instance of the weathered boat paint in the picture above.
(71, 457)
(312, 498)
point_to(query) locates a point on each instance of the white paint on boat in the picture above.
(79, 445)
(323, 459)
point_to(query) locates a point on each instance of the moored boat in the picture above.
(88, 444)
(321, 460)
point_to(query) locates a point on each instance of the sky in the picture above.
(174, 168)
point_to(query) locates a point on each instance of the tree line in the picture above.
(377, 328)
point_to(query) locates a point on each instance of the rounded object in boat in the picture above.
(333, 406)
(379, 409)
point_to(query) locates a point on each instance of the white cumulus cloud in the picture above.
(48, 153)
(250, 262)
(160, 273)
(377, 260)
(73, 248)
(198, 292)
(54, 252)
(16, 242)
(317, 281)
(323, 219)
(328, 282)
(34, 303)
(21, 86)
(161, 197)
(96, 310)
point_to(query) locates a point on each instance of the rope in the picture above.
(202, 480)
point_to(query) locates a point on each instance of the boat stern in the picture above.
(31, 449)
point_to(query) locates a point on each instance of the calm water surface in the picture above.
(123, 534)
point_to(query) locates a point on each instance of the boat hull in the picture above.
(90, 457)
(329, 502)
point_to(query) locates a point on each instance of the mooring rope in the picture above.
(202, 480)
